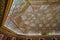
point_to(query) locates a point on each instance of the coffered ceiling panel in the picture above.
(27, 17)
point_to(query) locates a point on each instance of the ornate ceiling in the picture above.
(34, 17)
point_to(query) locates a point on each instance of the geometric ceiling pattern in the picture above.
(33, 17)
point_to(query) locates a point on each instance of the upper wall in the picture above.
(2, 9)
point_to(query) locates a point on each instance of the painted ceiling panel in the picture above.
(34, 18)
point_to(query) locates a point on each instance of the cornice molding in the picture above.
(9, 31)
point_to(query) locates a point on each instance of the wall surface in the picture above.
(2, 9)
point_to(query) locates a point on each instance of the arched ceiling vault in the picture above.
(34, 17)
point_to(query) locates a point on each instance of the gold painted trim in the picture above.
(3, 27)
(5, 17)
(4, 30)
(10, 31)
(7, 11)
